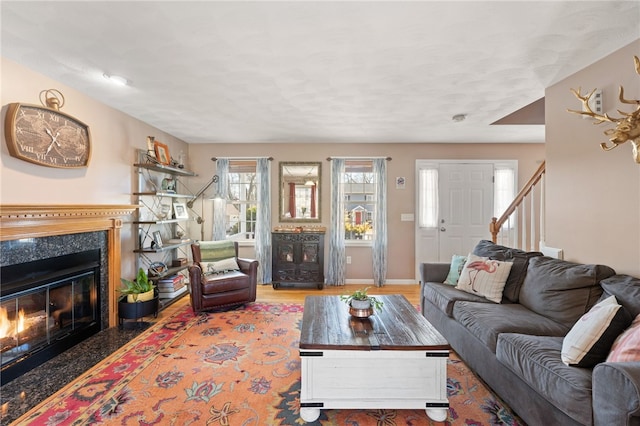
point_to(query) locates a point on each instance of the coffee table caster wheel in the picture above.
(437, 414)
(309, 414)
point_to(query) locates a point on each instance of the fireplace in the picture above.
(47, 306)
(59, 268)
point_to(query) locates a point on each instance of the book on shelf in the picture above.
(170, 294)
(171, 279)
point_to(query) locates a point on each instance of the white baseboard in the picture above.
(388, 282)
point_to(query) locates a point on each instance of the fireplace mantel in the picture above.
(18, 221)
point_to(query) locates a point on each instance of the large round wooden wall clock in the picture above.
(46, 136)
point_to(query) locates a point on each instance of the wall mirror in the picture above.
(300, 191)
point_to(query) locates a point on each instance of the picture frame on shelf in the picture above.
(162, 153)
(157, 240)
(180, 211)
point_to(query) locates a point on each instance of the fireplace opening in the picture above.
(46, 307)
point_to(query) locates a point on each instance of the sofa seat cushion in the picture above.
(444, 296)
(536, 360)
(487, 320)
(561, 290)
(220, 283)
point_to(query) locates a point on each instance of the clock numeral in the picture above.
(26, 148)
(40, 114)
(52, 160)
(56, 118)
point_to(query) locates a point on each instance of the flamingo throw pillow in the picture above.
(484, 277)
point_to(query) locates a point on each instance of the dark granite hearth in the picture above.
(23, 393)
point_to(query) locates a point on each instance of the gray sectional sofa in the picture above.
(515, 346)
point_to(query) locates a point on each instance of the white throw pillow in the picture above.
(220, 266)
(484, 277)
(590, 339)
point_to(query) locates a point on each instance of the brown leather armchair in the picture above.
(214, 283)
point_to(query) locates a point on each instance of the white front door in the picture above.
(464, 210)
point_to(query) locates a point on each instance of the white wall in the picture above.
(593, 196)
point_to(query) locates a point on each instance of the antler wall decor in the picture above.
(627, 127)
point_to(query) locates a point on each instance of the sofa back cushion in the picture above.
(561, 290)
(626, 289)
(520, 259)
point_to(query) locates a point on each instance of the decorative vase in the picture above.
(361, 304)
(360, 308)
(141, 297)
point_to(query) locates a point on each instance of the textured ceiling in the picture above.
(306, 71)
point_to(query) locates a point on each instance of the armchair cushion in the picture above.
(220, 266)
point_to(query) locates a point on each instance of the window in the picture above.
(428, 198)
(241, 210)
(504, 191)
(359, 199)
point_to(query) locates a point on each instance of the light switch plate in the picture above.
(406, 217)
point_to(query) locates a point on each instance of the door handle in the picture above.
(443, 229)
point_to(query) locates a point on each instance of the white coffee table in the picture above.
(394, 359)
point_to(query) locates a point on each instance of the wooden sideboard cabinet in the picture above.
(298, 259)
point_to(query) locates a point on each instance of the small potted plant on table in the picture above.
(361, 304)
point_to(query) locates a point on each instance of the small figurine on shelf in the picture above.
(150, 148)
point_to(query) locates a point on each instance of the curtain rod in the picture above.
(241, 158)
(358, 158)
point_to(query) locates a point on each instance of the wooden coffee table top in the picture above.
(327, 324)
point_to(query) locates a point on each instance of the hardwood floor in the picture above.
(267, 294)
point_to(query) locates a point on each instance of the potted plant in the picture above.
(139, 290)
(360, 300)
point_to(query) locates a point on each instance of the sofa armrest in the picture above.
(616, 393)
(433, 272)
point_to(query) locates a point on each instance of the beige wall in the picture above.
(109, 179)
(593, 196)
(401, 234)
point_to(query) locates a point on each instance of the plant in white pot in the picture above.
(359, 300)
(139, 290)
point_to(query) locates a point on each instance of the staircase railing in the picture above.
(522, 223)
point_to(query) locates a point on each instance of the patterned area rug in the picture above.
(238, 367)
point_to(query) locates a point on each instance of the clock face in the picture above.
(47, 137)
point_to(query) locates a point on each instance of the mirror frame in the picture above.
(281, 194)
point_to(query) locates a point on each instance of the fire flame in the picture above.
(11, 328)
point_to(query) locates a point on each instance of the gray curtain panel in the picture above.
(263, 225)
(379, 249)
(336, 271)
(220, 204)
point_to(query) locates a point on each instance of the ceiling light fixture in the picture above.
(459, 117)
(309, 183)
(120, 81)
